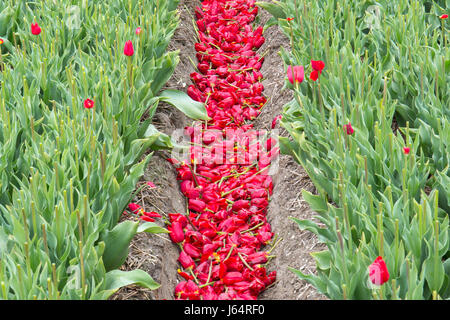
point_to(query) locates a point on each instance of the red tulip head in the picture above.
(185, 260)
(314, 75)
(176, 231)
(317, 65)
(444, 16)
(1, 41)
(88, 103)
(348, 129)
(275, 120)
(151, 185)
(138, 30)
(406, 150)
(378, 272)
(35, 29)
(295, 73)
(128, 50)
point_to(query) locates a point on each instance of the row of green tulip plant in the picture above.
(79, 84)
(371, 126)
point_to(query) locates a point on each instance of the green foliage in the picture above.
(66, 172)
(184, 103)
(386, 75)
(116, 279)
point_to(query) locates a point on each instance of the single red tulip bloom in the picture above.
(1, 41)
(185, 275)
(151, 214)
(197, 205)
(257, 258)
(128, 50)
(147, 218)
(138, 30)
(191, 250)
(318, 65)
(314, 75)
(178, 217)
(232, 277)
(179, 290)
(192, 290)
(378, 272)
(406, 150)
(186, 260)
(88, 103)
(444, 16)
(275, 120)
(239, 204)
(296, 73)
(35, 29)
(134, 207)
(151, 185)
(176, 231)
(289, 19)
(173, 161)
(348, 129)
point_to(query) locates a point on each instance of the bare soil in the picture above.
(156, 254)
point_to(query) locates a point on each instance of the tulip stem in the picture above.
(193, 275)
(55, 280)
(237, 174)
(292, 35)
(5, 296)
(263, 55)
(210, 271)
(344, 291)
(230, 191)
(322, 111)
(229, 252)
(297, 96)
(129, 71)
(206, 284)
(83, 276)
(193, 175)
(244, 262)
(394, 290)
(44, 237)
(193, 64)
(273, 247)
(253, 228)
(189, 219)
(80, 228)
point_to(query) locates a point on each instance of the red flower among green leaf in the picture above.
(378, 272)
(296, 74)
(348, 128)
(128, 49)
(35, 29)
(88, 103)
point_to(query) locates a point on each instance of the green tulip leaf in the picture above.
(323, 259)
(117, 279)
(151, 227)
(117, 242)
(274, 8)
(180, 100)
(317, 203)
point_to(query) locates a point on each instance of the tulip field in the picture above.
(224, 104)
(371, 127)
(74, 141)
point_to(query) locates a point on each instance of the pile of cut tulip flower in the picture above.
(225, 176)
